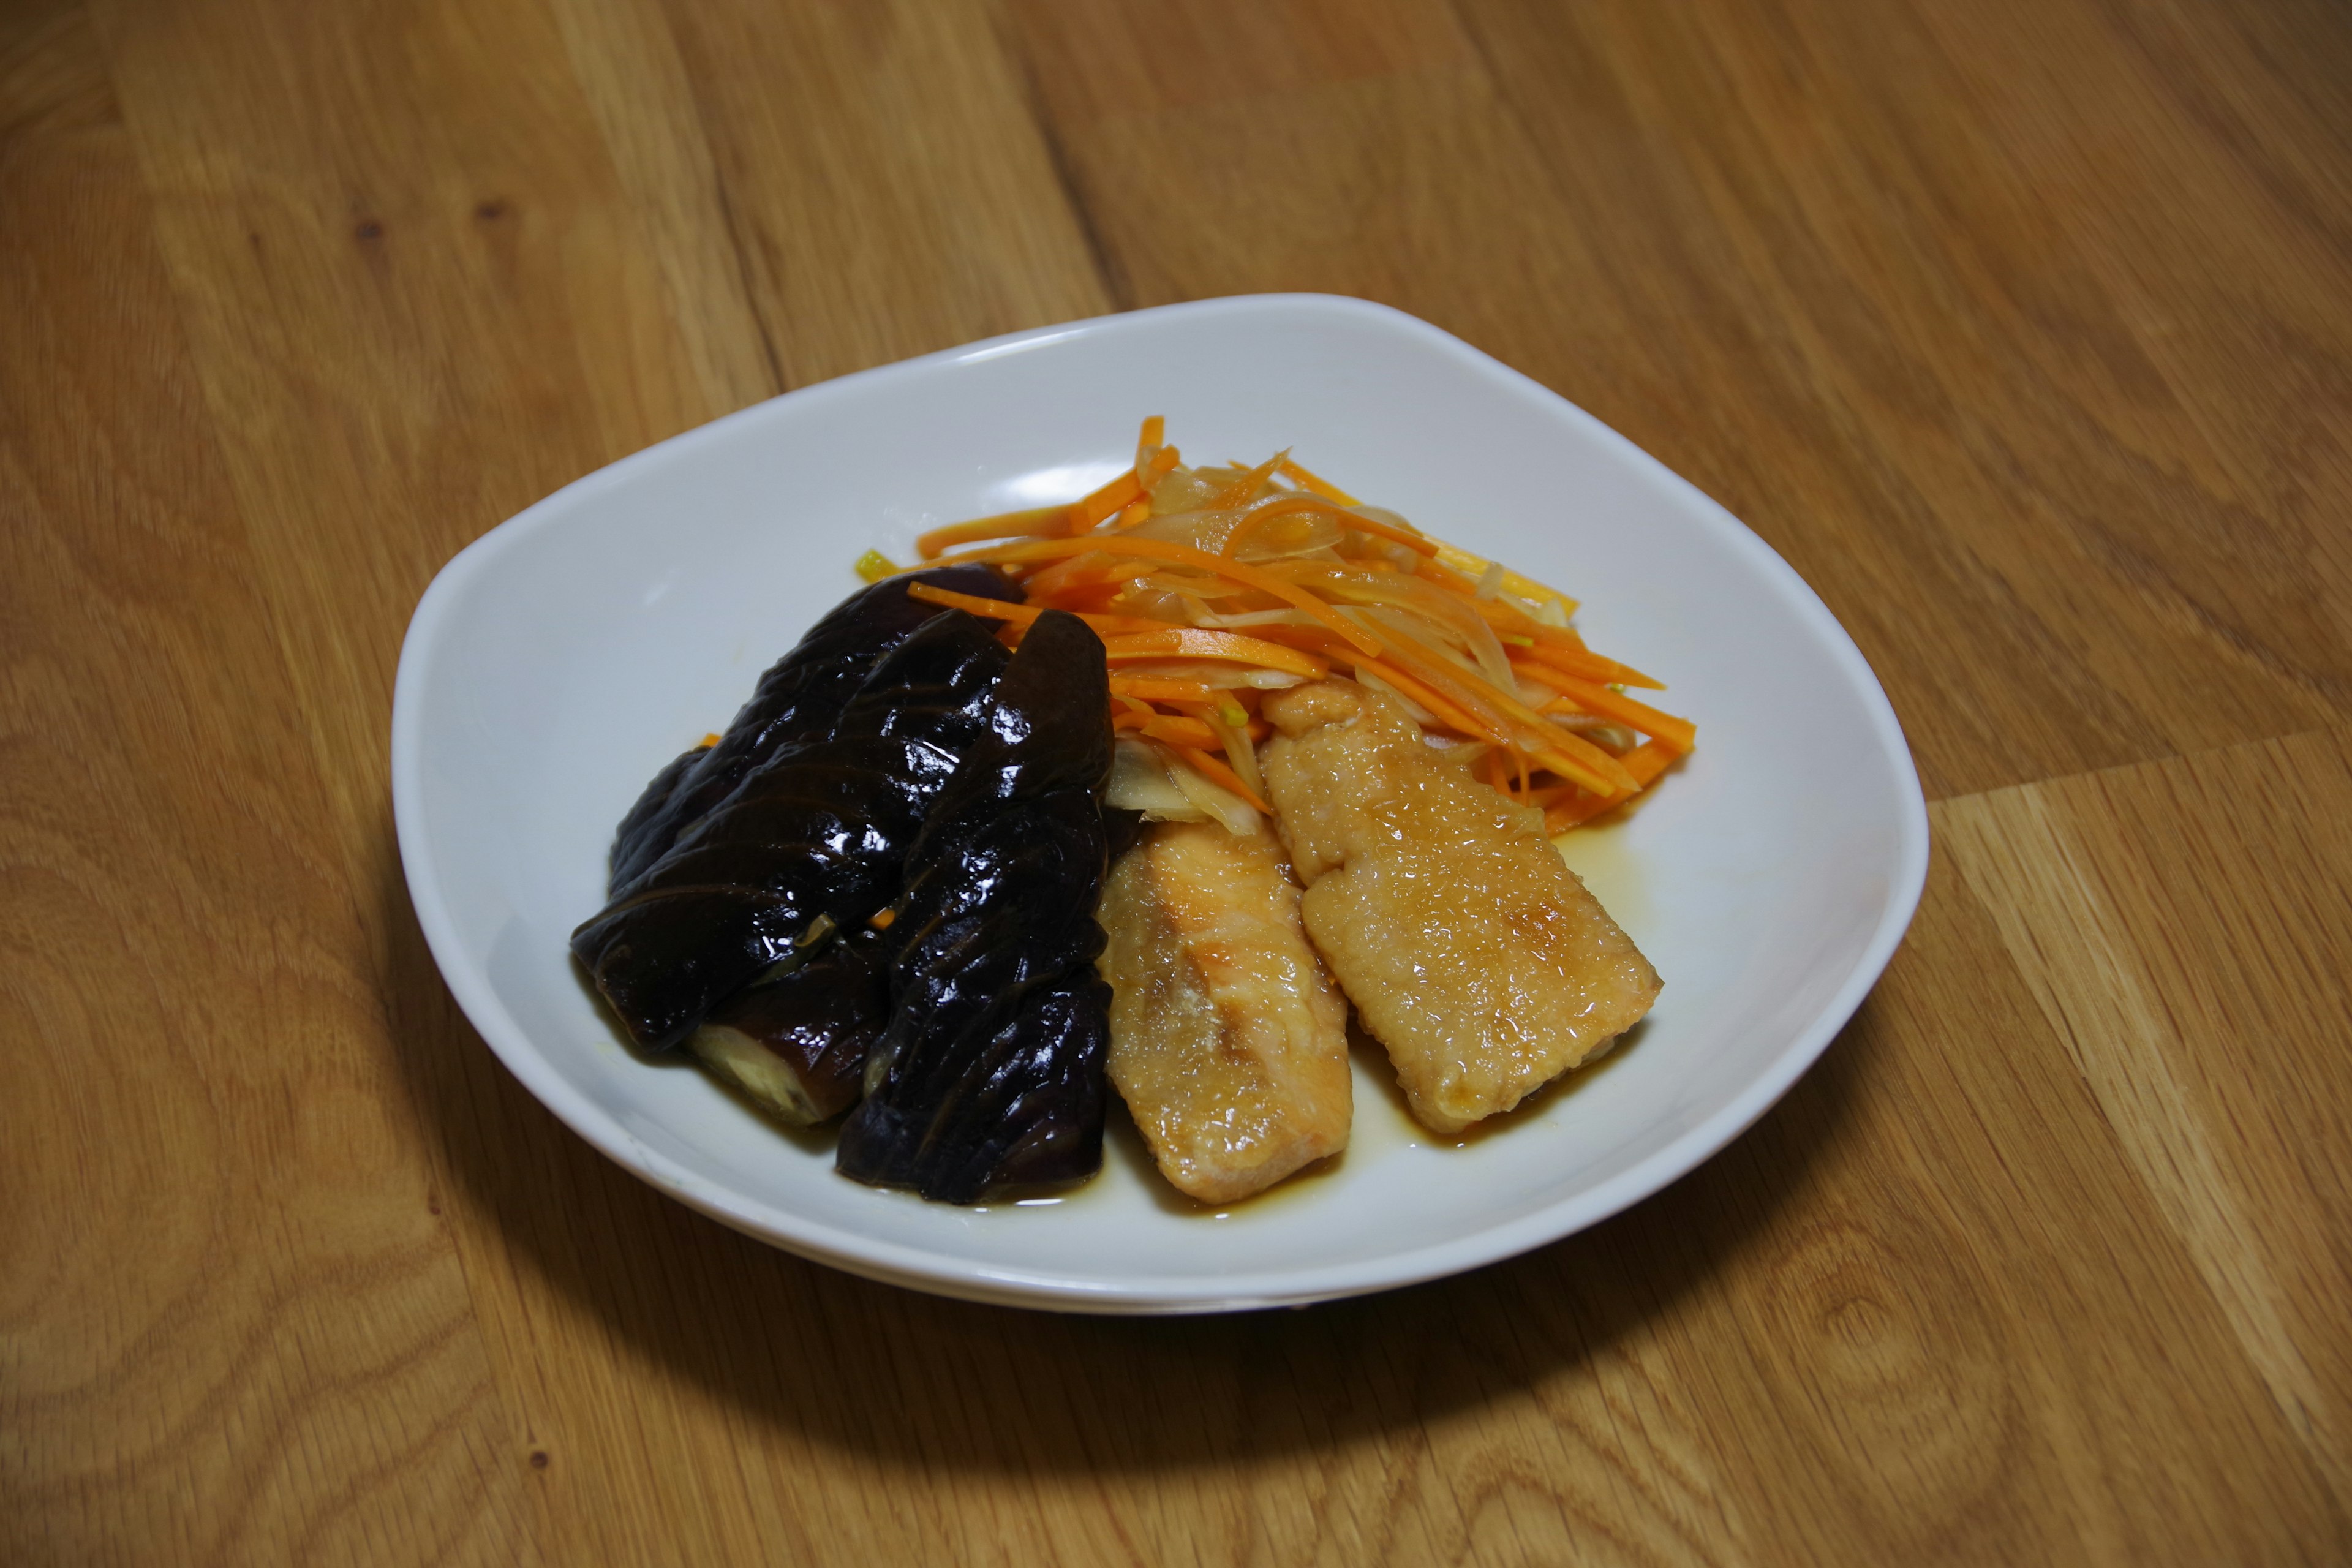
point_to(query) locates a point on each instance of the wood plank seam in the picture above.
(2033, 876)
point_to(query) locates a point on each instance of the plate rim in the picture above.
(920, 1269)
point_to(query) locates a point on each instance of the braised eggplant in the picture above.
(810, 841)
(798, 1044)
(799, 699)
(650, 817)
(991, 1071)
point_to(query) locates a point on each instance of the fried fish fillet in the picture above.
(1471, 950)
(1227, 1040)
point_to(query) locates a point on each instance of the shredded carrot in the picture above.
(1177, 731)
(1089, 510)
(1571, 756)
(1472, 567)
(1000, 610)
(1389, 531)
(883, 920)
(1184, 556)
(1191, 642)
(1044, 519)
(1645, 762)
(1245, 489)
(1297, 503)
(1218, 773)
(1495, 775)
(1680, 734)
(1579, 808)
(1432, 642)
(1323, 488)
(710, 739)
(1576, 661)
(1161, 690)
(1448, 711)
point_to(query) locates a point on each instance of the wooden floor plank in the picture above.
(2018, 328)
(1961, 1327)
(2144, 907)
(231, 1329)
(1949, 388)
(888, 187)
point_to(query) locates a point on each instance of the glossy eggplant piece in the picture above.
(654, 804)
(818, 830)
(799, 699)
(992, 1072)
(798, 1045)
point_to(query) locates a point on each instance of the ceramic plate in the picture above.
(565, 656)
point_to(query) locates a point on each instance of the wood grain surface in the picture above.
(2023, 329)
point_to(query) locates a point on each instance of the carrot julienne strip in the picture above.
(1180, 732)
(1182, 556)
(1000, 610)
(1288, 504)
(1571, 756)
(1192, 642)
(1644, 762)
(1087, 511)
(1418, 544)
(1161, 690)
(1448, 711)
(1245, 487)
(1577, 661)
(1041, 519)
(1679, 734)
(1323, 488)
(1472, 567)
(1218, 773)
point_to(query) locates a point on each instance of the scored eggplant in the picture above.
(798, 1044)
(809, 842)
(800, 698)
(990, 1074)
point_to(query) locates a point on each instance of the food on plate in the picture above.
(657, 816)
(990, 1072)
(1471, 951)
(797, 1044)
(1220, 589)
(809, 843)
(799, 699)
(1336, 745)
(1229, 1043)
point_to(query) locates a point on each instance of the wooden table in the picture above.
(2023, 328)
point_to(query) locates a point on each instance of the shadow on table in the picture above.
(915, 1380)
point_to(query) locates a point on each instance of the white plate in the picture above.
(563, 658)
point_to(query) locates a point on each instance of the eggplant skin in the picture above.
(991, 1071)
(798, 1045)
(799, 699)
(1028, 1112)
(654, 804)
(819, 829)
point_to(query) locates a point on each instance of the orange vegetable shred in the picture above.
(1195, 637)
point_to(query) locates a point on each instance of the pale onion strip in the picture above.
(1238, 816)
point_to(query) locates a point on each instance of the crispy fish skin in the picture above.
(1471, 950)
(1228, 1041)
